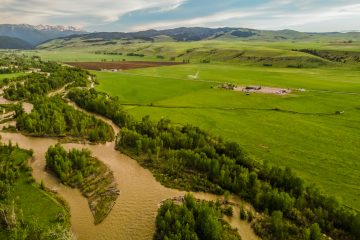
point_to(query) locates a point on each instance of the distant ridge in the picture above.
(184, 34)
(13, 43)
(35, 35)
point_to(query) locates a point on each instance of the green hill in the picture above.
(285, 48)
(13, 43)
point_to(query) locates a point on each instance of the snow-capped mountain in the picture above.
(35, 35)
(60, 28)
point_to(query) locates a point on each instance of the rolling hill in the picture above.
(13, 43)
(184, 34)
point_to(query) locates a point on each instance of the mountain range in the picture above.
(17, 36)
(28, 36)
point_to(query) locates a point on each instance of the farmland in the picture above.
(308, 122)
(320, 145)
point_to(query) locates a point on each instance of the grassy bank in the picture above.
(34, 211)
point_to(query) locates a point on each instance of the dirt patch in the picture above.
(265, 90)
(118, 66)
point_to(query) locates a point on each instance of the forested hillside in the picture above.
(13, 43)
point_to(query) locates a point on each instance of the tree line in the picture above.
(192, 220)
(190, 158)
(196, 157)
(101, 104)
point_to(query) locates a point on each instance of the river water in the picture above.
(133, 215)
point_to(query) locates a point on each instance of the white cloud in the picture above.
(275, 14)
(102, 15)
(96, 11)
(198, 21)
(315, 16)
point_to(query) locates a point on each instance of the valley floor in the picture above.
(313, 130)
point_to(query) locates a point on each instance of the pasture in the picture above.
(315, 132)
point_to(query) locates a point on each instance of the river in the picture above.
(133, 215)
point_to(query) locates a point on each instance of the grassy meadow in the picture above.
(299, 130)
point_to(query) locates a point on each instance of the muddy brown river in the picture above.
(134, 213)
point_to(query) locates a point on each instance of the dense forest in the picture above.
(15, 221)
(189, 158)
(192, 220)
(77, 168)
(54, 117)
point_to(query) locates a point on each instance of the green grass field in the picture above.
(34, 205)
(321, 146)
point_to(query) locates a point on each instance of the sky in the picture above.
(135, 15)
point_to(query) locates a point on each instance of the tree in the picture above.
(243, 215)
(315, 232)
(277, 225)
(355, 226)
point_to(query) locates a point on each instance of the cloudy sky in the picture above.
(134, 15)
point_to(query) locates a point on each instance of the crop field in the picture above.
(314, 130)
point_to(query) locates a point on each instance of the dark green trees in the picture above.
(277, 225)
(53, 117)
(102, 104)
(70, 167)
(36, 85)
(192, 220)
(77, 168)
(355, 226)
